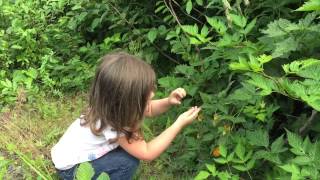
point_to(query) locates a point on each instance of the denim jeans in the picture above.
(118, 164)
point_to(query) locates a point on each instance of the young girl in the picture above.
(109, 135)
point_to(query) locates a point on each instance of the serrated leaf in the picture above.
(204, 31)
(294, 140)
(301, 160)
(238, 20)
(220, 160)
(240, 167)
(230, 156)
(265, 84)
(202, 175)
(250, 164)
(212, 169)
(238, 66)
(95, 23)
(223, 150)
(261, 154)
(277, 145)
(192, 30)
(33, 73)
(292, 168)
(170, 82)
(311, 5)
(250, 26)
(276, 28)
(284, 47)
(241, 65)
(258, 138)
(240, 151)
(264, 59)
(152, 34)
(194, 41)
(224, 175)
(308, 68)
(217, 24)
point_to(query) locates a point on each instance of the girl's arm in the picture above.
(160, 106)
(150, 150)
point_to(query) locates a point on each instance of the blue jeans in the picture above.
(118, 164)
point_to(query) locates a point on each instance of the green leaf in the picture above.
(285, 47)
(223, 150)
(250, 164)
(250, 26)
(258, 137)
(277, 145)
(224, 175)
(240, 151)
(202, 175)
(192, 30)
(302, 160)
(194, 41)
(292, 168)
(241, 65)
(277, 28)
(265, 84)
(240, 21)
(220, 160)
(295, 141)
(15, 46)
(217, 24)
(103, 176)
(185, 69)
(33, 73)
(84, 171)
(152, 34)
(204, 31)
(95, 23)
(199, 2)
(189, 6)
(311, 5)
(264, 59)
(212, 169)
(170, 82)
(240, 167)
(308, 68)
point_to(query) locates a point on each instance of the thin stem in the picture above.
(309, 121)
(133, 27)
(249, 175)
(186, 13)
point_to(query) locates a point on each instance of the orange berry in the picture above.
(216, 152)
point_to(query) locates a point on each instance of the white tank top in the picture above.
(79, 144)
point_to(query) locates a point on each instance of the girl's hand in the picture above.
(176, 96)
(188, 116)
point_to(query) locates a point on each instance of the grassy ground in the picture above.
(28, 130)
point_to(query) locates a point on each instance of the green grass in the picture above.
(28, 131)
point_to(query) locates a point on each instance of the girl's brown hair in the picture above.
(119, 94)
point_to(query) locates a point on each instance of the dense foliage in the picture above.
(252, 65)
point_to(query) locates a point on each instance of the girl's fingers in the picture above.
(190, 111)
(182, 92)
(195, 112)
